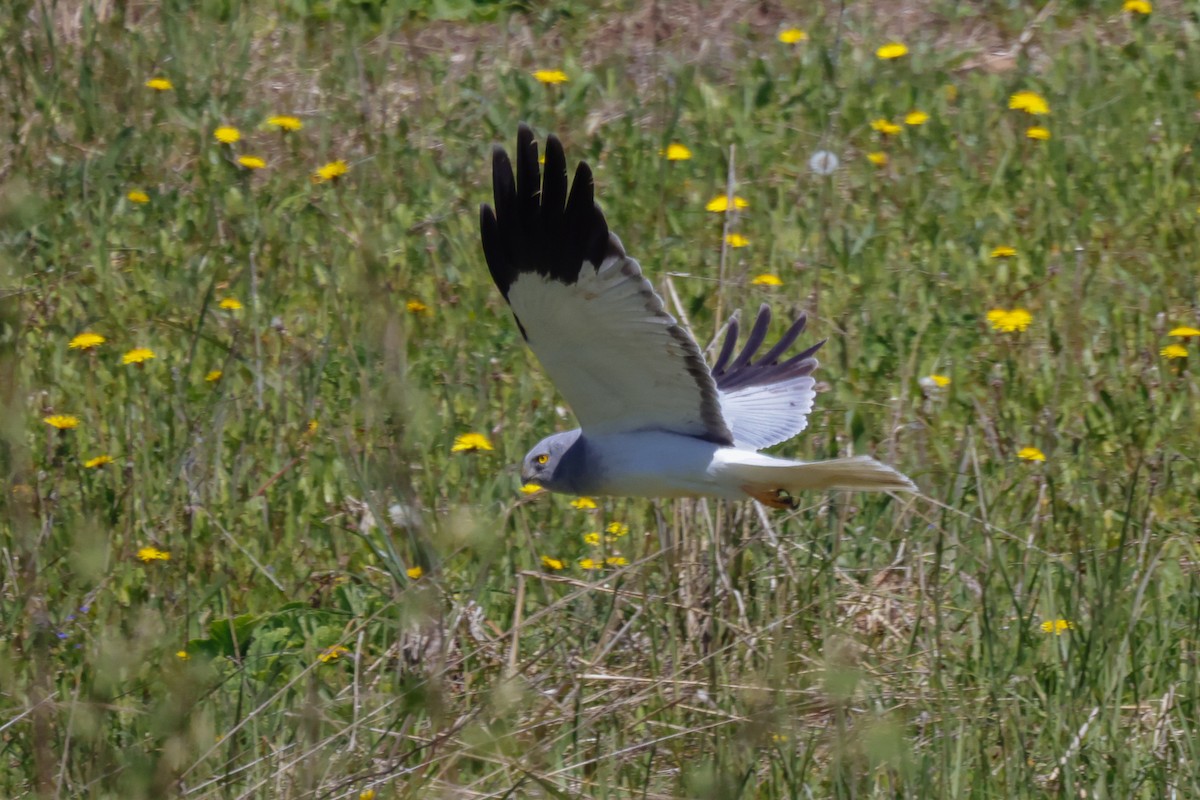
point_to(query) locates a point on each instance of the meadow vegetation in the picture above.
(260, 404)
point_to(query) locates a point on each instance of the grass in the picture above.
(859, 647)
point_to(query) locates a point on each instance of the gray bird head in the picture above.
(554, 462)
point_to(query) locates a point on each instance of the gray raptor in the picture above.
(655, 420)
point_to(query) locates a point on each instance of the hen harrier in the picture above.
(655, 420)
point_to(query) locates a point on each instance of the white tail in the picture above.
(859, 473)
(764, 477)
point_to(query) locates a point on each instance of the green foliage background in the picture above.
(861, 646)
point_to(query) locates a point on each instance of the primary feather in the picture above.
(766, 400)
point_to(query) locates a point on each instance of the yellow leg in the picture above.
(775, 498)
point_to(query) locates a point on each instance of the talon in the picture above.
(774, 498)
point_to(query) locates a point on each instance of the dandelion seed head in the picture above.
(823, 162)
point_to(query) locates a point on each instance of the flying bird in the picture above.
(655, 420)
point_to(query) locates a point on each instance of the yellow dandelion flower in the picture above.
(891, 50)
(1003, 251)
(736, 240)
(617, 529)
(312, 427)
(941, 381)
(1019, 319)
(213, 376)
(676, 152)
(366, 794)
(98, 461)
(592, 538)
(721, 203)
(550, 76)
(616, 561)
(590, 563)
(766, 279)
(878, 158)
(148, 554)
(792, 36)
(182, 655)
(332, 653)
(549, 562)
(1012, 321)
(1137, 7)
(470, 442)
(583, 503)
(1029, 102)
(530, 488)
(138, 355)
(285, 123)
(160, 85)
(137, 196)
(414, 573)
(1031, 454)
(230, 304)
(916, 118)
(86, 341)
(1057, 626)
(416, 307)
(227, 134)
(885, 126)
(1171, 351)
(64, 422)
(252, 162)
(1037, 133)
(331, 171)
(1184, 330)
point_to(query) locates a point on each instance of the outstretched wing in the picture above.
(602, 334)
(765, 401)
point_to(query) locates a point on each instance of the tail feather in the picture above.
(763, 476)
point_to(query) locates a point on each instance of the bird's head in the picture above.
(548, 464)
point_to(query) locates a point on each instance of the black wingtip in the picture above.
(745, 370)
(537, 226)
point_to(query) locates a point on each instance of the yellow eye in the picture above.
(542, 459)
